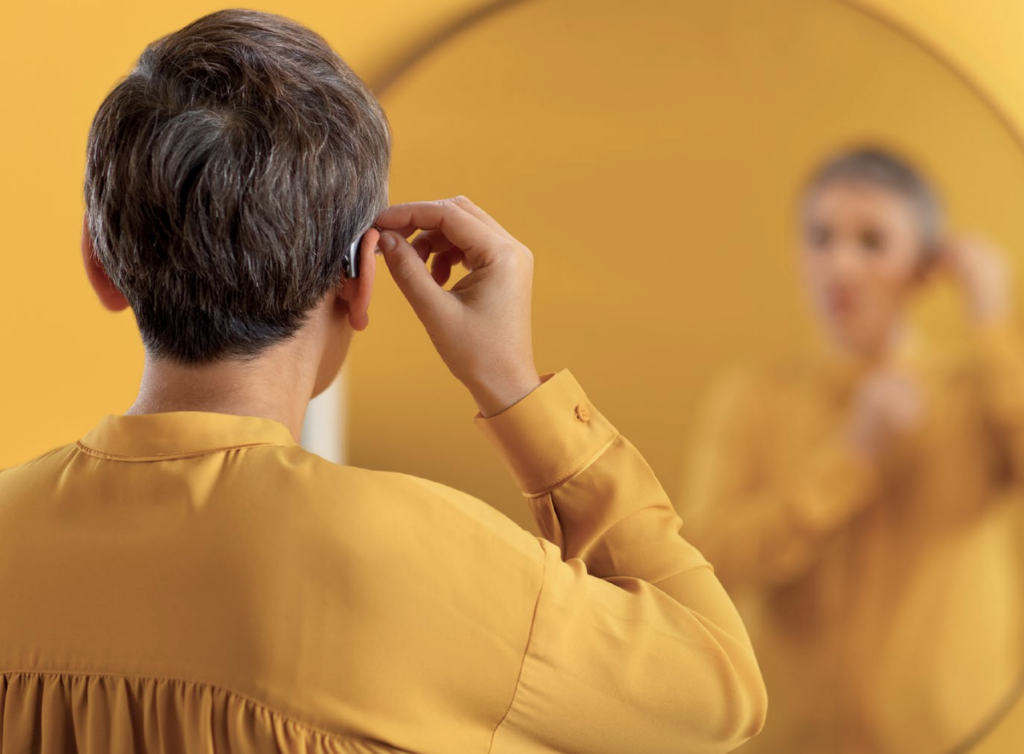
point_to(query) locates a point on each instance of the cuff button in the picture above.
(582, 413)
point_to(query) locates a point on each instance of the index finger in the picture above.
(467, 204)
(456, 224)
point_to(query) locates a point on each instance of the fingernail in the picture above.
(387, 241)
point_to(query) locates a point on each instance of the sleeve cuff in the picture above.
(550, 436)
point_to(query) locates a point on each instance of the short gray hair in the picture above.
(882, 169)
(226, 176)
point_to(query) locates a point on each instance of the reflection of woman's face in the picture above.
(861, 254)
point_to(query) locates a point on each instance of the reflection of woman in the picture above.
(852, 499)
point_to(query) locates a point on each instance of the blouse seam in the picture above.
(663, 579)
(245, 698)
(526, 653)
(170, 455)
(582, 466)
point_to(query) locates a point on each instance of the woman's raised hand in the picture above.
(481, 327)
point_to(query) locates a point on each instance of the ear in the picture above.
(933, 260)
(357, 292)
(108, 294)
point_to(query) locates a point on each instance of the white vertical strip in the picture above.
(325, 429)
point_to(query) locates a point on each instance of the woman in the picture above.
(854, 500)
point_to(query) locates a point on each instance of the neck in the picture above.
(277, 384)
(878, 350)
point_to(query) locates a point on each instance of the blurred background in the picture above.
(650, 154)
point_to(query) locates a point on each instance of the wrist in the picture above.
(989, 314)
(496, 395)
(864, 441)
(988, 302)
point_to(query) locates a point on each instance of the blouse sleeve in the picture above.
(1001, 358)
(758, 531)
(634, 646)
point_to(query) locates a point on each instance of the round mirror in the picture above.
(654, 156)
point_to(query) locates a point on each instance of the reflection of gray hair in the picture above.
(882, 169)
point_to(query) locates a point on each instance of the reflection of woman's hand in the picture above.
(982, 274)
(887, 407)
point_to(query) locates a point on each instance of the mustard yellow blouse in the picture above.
(198, 582)
(884, 603)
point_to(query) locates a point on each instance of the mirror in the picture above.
(653, 155)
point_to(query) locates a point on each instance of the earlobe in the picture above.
(106, 291)
(928, 262)
(357, 293)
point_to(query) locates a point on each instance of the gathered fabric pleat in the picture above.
(58, 713)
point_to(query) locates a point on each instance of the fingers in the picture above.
(431, 242)
(466, 203)
(412, 278)
(446, 254)
(441, 268)
(469, 207)
(458, 221)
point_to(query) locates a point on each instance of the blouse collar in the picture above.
(180, 434)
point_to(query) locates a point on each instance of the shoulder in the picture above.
(24, 485)
(40, 469)
(398, 507)
(403, 549)
(754, 384)
(953, 362)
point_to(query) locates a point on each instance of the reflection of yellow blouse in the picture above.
(883, 603)
(192, 582)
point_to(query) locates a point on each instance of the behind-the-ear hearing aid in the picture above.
(350, 259)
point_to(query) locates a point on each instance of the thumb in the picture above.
(411, 275)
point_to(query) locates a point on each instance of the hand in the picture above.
(887, 407)
(481, 327)
(982, 274)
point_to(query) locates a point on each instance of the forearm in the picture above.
(590, 491)
(655, 627)
(618, 665)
